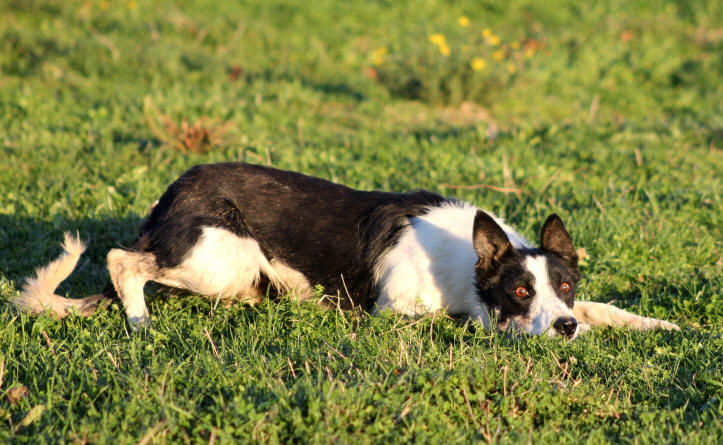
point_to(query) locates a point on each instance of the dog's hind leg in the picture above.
(129, 272)
(601, 314)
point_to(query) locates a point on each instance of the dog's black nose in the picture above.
(565, 326)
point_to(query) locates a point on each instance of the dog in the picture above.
(233, 231)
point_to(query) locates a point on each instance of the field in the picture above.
(607, 113)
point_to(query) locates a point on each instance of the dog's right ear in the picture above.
(490, 241)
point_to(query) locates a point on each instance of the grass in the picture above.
(614, 121)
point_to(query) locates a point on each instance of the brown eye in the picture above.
(565, 287)
(521, 292)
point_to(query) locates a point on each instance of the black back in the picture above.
(322, 229)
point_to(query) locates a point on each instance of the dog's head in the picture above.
(529, 290)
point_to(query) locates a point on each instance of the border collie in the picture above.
(232, 230)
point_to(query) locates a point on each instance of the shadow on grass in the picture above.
(324, 87)
(28, 243)
(678, 369)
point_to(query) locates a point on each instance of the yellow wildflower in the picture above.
(104, 4)
(444, 49)
(463, 21)
(515, 45)
(529, 52)
(478, 64)
(379, 55)
(498, 55)
(493, 40)
(132, 5)
(511, 68)
(486, 33)
(441, 42)
(438, 39)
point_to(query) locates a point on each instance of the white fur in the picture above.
(287, 279)
(129, 272)
(546, 306)
(601, 314)
(226, 265)
(220, 263)
(38, 293)
(432, 266)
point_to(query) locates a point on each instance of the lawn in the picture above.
(607, 113)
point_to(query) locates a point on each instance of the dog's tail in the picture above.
(38, 293)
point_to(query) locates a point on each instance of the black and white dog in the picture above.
(233, 230)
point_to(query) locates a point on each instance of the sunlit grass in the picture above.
(608, 114)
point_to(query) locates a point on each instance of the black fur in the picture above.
(554, 238)
(323, 230)
(560, 270)
(490, 242)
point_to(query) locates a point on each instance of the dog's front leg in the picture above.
(601, 314)
(129, 272)
(481, 314)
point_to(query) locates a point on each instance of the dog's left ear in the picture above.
(554, 237)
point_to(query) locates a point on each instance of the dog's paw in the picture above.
(648, 323)
(582, 328)
(140, 324)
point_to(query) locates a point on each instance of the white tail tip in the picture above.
(38, 292)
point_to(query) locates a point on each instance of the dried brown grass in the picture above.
(200, 136)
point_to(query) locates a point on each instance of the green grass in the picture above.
(615, 122)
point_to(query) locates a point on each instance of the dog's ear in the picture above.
(490, 241)
(554, 237)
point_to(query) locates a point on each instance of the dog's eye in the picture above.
(521, 292)
(565, 287)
